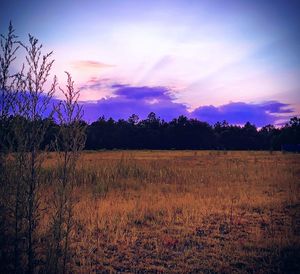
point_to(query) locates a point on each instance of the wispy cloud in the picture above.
(89, 64)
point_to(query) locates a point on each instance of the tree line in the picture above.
(179, 133)
(184, 133)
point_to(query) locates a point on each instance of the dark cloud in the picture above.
(138, 100)
(140, 93)
(239, 113)
(141, 100)
(118, 86)
(276, 107)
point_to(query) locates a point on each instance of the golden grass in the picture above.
(186, 211)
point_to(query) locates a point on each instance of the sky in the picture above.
(234, 60)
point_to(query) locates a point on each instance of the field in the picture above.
(185, 212)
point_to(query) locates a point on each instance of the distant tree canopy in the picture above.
(180, 133)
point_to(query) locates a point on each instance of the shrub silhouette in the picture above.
(25, 123)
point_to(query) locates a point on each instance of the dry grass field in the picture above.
(185, 212)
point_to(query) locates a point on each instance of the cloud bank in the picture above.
(141, 100)
(128, 100)
(240, 112)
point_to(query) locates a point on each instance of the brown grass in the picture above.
(185, 211)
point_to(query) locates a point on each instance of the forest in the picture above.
(180, 133)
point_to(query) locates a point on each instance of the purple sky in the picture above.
(231, 60)
(128, 100)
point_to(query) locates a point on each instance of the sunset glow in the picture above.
(205, 54)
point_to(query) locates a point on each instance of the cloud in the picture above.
(259, 114)
(276, 107)
(128, 100)
(95, 84)
(138, 93)
(88, 64)
(125, 100)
